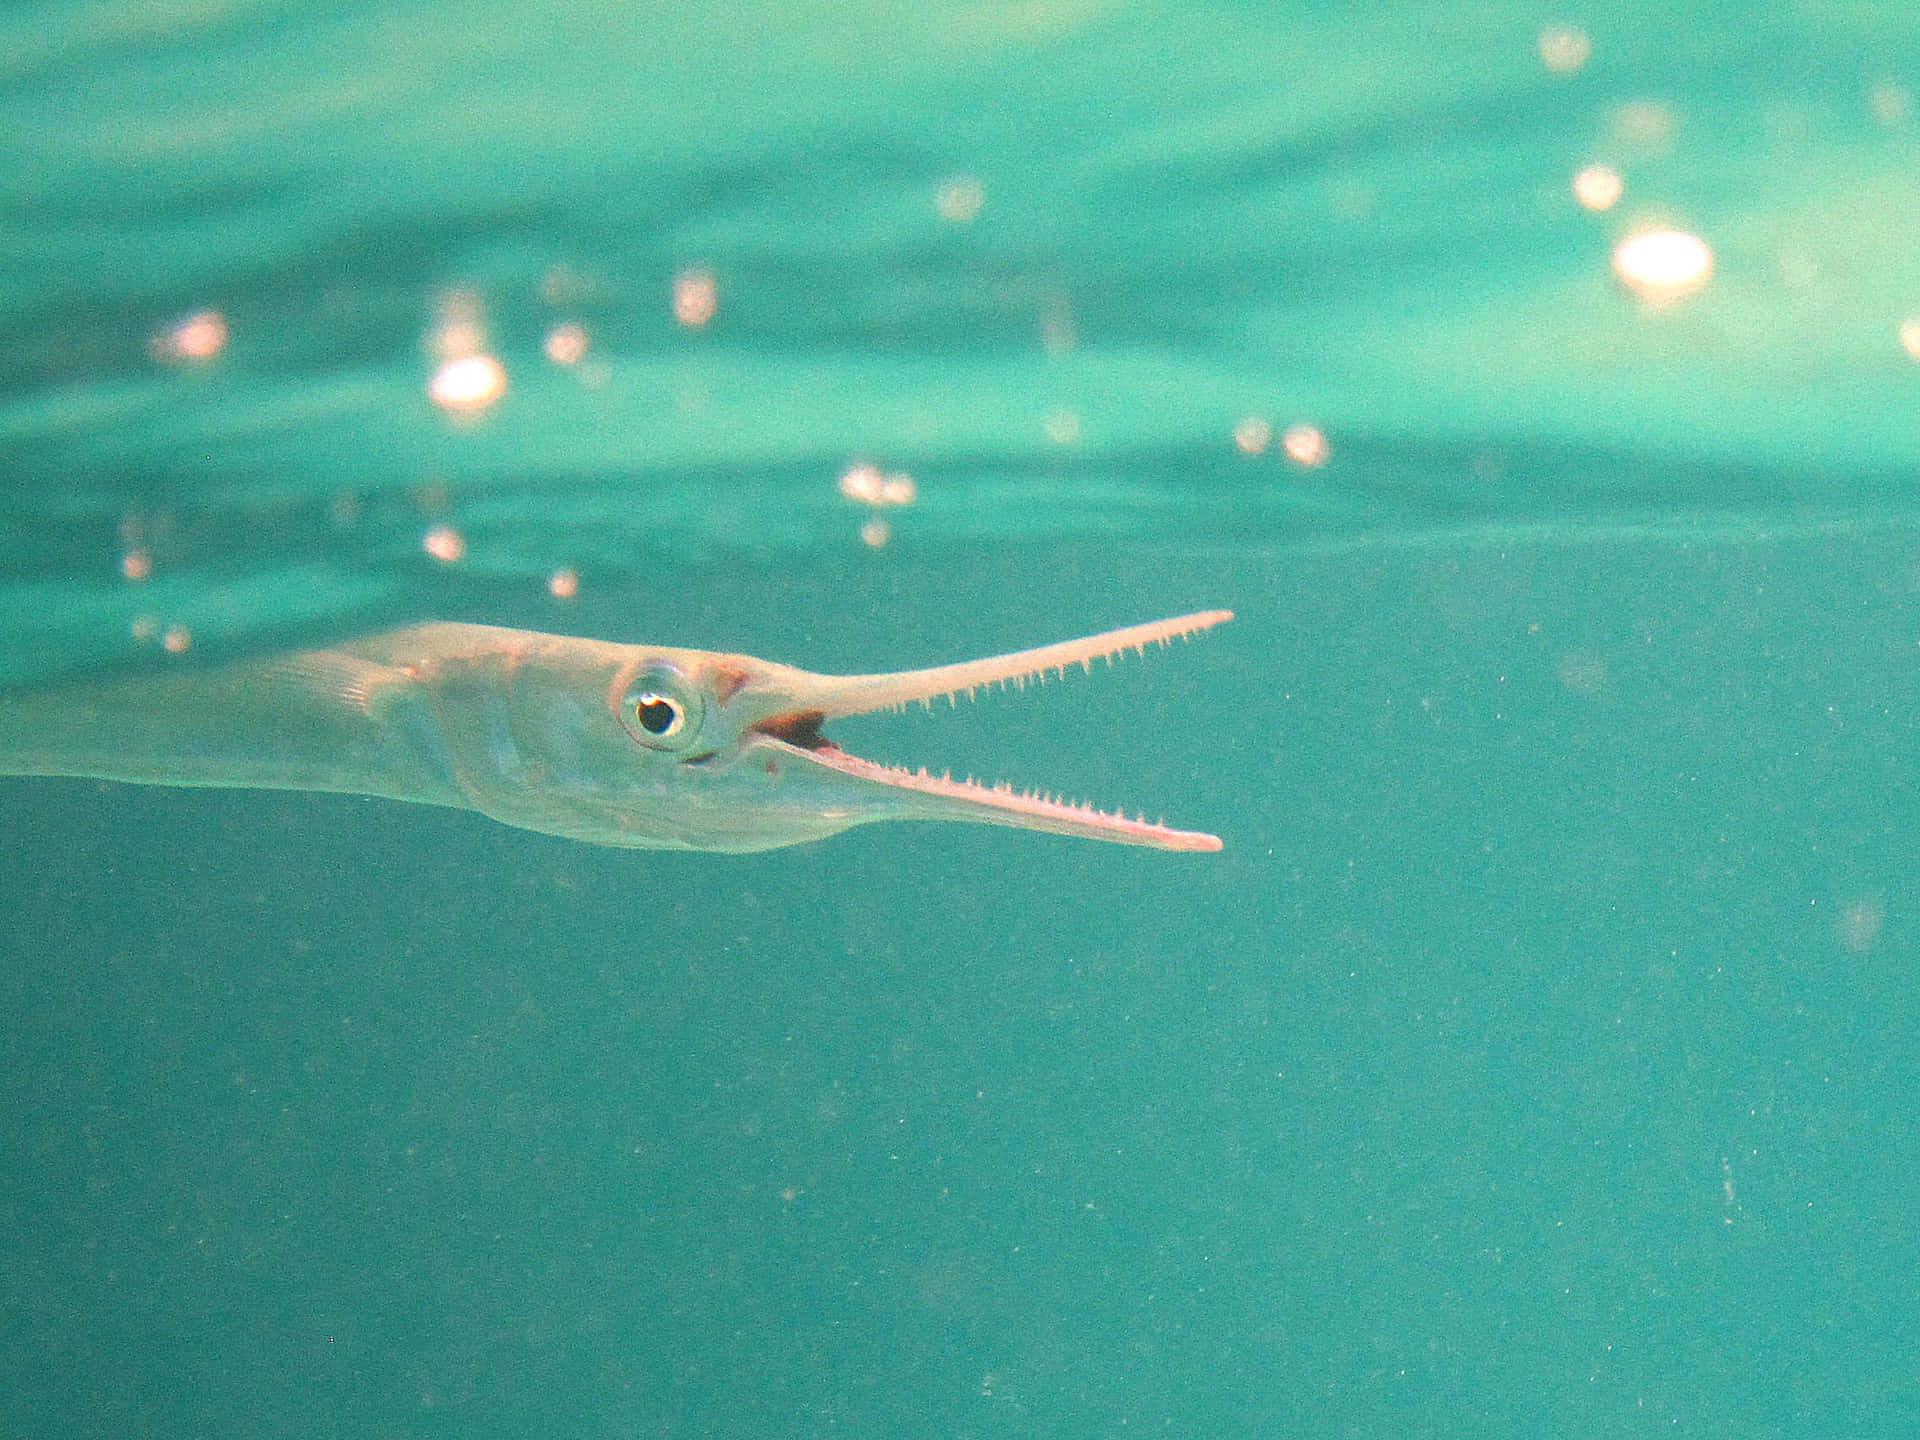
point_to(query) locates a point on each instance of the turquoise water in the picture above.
(1539, 1056)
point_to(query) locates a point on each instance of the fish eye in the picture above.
(660, 709)
(659, 715)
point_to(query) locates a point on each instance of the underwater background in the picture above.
(1539, 384)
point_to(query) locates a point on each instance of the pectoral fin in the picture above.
(337, 677)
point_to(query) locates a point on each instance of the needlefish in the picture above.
(629, 745)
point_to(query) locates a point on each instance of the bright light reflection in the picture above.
(459, 325)
(1564, 49)
(197, 337)
(959, 199)
(1663, 265)
(696, 297)
(566, 344)
(1644, 124)
(1910, 337)
(445, 544)
(1253, 435)
(1598, 187)
(1306, 445)
(870, 486)
(471, 383)
(1890, 103)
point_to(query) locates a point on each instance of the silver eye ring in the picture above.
(660, 709)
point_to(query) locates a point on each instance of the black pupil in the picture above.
(656, 715)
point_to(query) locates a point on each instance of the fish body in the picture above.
(640, 746)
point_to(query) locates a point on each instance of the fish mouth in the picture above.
(918, 794)
(800, 729)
